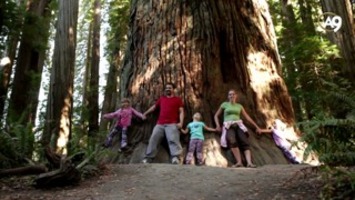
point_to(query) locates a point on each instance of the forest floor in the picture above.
(178, 182)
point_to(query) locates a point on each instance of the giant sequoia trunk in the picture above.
(206, 47)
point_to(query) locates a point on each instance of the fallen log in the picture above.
(67, 174)
(23, 171)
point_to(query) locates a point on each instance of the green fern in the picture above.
(339, 183)
(9, 157)
(333, 139)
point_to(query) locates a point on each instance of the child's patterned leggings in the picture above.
(113, 133)
(195, 144)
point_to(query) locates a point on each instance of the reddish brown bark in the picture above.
(207, 48)
(60, 95)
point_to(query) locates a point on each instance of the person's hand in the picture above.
(258, 131)
(144, 117)
(183, 131)
(218, 129)
(179, 125)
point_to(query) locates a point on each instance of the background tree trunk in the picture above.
(13, 37)
(5, 83)
(345, 37)
(206, 48)
(118, 41)
(2, 15)
(110, 96)
(290, 39)
(29, 65)
(306, 16)
(86, 80)
(60, 96)
(93, 103)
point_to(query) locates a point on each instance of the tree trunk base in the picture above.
(66, 175)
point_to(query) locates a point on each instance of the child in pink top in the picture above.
(124, 119)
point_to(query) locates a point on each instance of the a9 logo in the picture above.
(332, 22)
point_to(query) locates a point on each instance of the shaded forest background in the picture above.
(64, 63)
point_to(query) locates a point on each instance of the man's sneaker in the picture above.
(146, 161)
(175, 161)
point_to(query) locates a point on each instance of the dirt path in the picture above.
(170, 182)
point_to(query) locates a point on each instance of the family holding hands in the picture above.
(170, 123)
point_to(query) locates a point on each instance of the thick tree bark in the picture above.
(345, 37)
(24, 96)
(84, 108)
(93, 104)
(206, 48)
(60, 95)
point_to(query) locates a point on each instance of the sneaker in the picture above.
(146, 161)
(123, 145)
(175, 161)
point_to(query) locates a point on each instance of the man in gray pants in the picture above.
(170, 120)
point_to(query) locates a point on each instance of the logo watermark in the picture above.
(332, 22)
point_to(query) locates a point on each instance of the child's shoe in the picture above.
(175, 161)
(123, 144)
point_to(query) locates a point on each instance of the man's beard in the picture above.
(168, 92)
